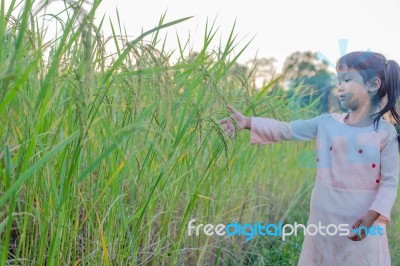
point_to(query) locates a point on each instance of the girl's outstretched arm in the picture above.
(268, 130)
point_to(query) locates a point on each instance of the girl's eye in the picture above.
(347, 80)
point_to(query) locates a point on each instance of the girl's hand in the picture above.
(366, 221)
(236, 122)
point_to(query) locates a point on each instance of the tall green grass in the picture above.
(105, 158)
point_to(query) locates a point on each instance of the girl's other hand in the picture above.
(236, 122)
(365, 222)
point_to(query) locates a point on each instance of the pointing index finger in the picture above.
(230, 107)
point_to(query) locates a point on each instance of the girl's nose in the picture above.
(340, 87)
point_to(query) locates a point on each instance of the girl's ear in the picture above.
(374, 84)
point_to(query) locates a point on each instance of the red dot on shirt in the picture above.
(373, 165)
(377, 181)
(360, 151)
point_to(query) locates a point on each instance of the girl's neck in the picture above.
(361, 117)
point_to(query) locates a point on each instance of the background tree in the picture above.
(309, 78)
(263, 71)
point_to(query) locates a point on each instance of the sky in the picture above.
(278, 27)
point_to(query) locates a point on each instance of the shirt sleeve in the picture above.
(387, 191)
(267, 130)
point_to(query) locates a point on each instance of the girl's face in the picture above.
(352, 91)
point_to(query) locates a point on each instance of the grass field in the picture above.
(106, 157)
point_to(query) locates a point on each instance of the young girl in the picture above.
(357, 161)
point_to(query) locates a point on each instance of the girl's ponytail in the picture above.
(392, 88)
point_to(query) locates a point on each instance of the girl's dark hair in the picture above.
(370, 65)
